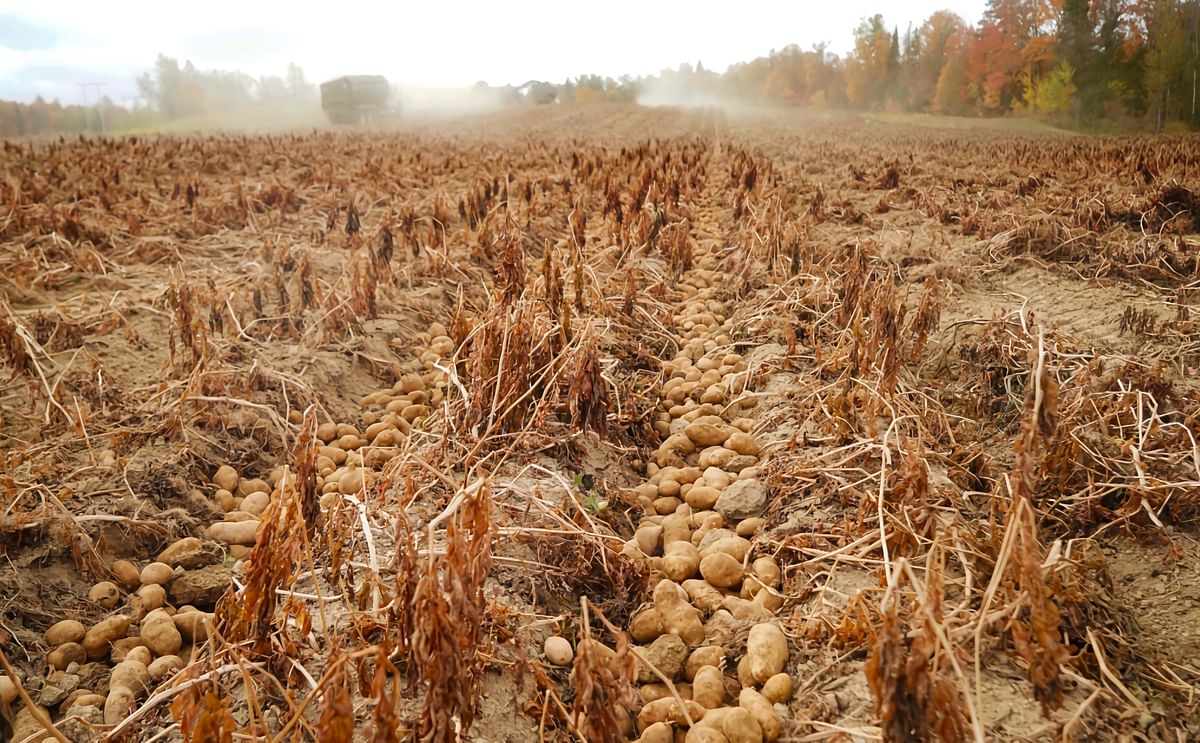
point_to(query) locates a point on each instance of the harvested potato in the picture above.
(104, 594)
(734, 546)
(778, 689)
(740, 726)
(160, 633)
(558, 650)
(721, 570)
(705, 655)
(678, 616)
(708, 687)
(8, 690)
(766, 569)
(767, 651)
(681, 561)
(98, 640)
(226, 478)
(157, 573)
(126, 573)
(129, 674)
(165, 667)
(649, 537)
(66, 654)
(68, 630)
(703, 734)
(152, 595)
(235, 532)
(757, 705)
(668, 710)
(122, 646)
(139, 654)
(118, 705)
(659, 732)
(646, 625)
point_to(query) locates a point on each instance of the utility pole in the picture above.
(83, 88)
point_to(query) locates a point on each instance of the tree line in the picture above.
(168, 91)
(1080, 62)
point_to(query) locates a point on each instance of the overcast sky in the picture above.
(49, 48)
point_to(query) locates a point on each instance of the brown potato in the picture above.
(678, 616)
(767, 651)
(99, 639)
(160, 633)
(105, 594)
(68, 630)
(721, 570)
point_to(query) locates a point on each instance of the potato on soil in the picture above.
(192, 625)
(68, 630)
(735, 547)
(226, 478)
(659, 732)
(139, 654)
(160, 633)
(558, 650)
(740, 726)
(66, 654)
(8, 690)
(164, 667)
(122, 646)
(126, 573)
(104, 594)
(678, 616)
(668, 710)
(764, 713)
(778, 689)
(235, 532)
(27, 727)
(705, 655)
(157, 573)
(766, 651)
(99, 639)
(152, 596)
(681, 561)
(646, 625)
(118, 705)
(708, 687)
(721, 570)
(703, 734)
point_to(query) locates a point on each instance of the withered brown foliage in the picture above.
(587, 399)
(449, 611)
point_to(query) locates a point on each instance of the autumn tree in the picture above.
(868, 65)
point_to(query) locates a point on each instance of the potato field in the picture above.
(601, 423)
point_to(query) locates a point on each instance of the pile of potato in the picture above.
(146, 639)
(702, 503)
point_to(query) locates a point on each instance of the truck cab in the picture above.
(354, 99)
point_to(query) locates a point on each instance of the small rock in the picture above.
(53, 694)
(200, 587)
(80, 725)
(668, 654)
(742, 499)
